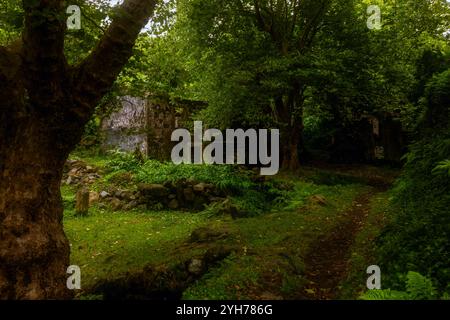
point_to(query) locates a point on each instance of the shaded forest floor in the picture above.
(316, 245)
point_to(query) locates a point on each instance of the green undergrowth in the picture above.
(417, 239)
(126, 171)
(152, 171)
(274, 245)
(284, 220)
(415, 287)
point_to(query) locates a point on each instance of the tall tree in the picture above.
(44, 106)
(260, 45)
(292, 26)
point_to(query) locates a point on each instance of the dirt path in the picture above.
(327, 261)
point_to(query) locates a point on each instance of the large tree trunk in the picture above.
(291, 144)
(44, 106)
(290, 116)
(34, 252)
(292, 34)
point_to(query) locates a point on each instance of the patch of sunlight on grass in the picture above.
(107, 244)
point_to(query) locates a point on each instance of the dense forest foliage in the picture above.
(313, 69)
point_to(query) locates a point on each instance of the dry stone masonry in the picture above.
(184, 194)
(144, 124)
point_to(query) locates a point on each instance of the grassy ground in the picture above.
(275, 243)
(270, 262)
(363, 250)
(107, 244)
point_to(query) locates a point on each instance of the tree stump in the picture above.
(82, 202)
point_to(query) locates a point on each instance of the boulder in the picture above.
(196, 267)
(199, 188)
(118, 194)
(131, 205)
(169, 185)
(154, 191)
(188, 194)
(205, 234)
(200, 202)
(173, 204)
(93, 197)
(116, 204)
(104, 194)
(73, 172)
(218, 253)
(191, 182)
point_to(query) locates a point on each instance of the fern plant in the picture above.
(418, 287)
(442, 168)
(385, 295)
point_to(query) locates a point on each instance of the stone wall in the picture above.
(141, 123)
(162, 120)
(126, 129)
(387, 139)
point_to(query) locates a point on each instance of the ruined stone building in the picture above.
(145, 124)
(386, 139)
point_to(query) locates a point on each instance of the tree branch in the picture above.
(95, 24)
(43, 49)
(312, 25)
(259, 18)
(97, 73)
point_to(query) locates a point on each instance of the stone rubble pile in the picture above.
(180, 195)
(77, 172)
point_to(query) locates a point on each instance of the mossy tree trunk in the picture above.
(44, 106)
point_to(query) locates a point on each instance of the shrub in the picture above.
(418, 287)
(122, 161)
(224, 177)
(418, 237)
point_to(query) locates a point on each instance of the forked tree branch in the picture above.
(97, 73)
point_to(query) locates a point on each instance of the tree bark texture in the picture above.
(44, 106)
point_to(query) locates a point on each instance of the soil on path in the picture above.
(327, 260)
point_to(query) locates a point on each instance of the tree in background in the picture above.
(250, 55)
(248, 60)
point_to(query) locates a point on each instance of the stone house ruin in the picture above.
(371, 138)
(144, 124)
(386, 139)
